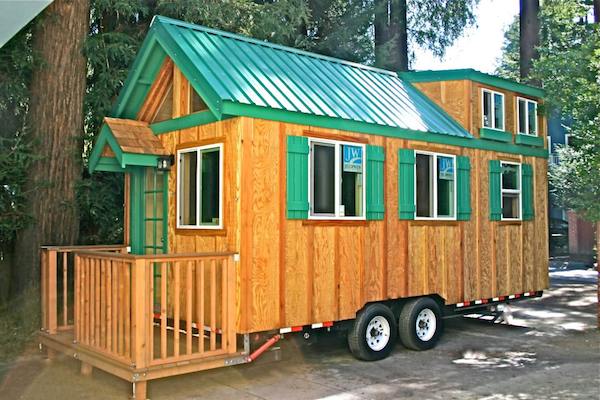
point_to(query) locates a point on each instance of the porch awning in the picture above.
(123, 143)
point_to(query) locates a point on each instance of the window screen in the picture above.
(511, 191)
(435, 185)
(424, 185)
(445, 186)
(323, 157)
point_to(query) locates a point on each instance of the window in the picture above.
(435, 181)
(549, 144)
(337, 179)
(199, 187)
(527, 116)
(567, 138)
(165, 111)
(493, 109)
(511, 190)
(196, 102)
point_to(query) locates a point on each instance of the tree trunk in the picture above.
(598, 265)
(55, 119)
(597, 11)
(391, 35)
(529, 35)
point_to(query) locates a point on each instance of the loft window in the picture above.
(196, 102)
(435, 185)
(527, 116)
(493, 109)
(165, 111)
(200, 187)
(511, 191)
(337, 180)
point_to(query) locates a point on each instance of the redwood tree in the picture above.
(529, 36)
(55, 120)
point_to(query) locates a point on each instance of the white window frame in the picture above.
(518, 191)
(337, 181)
(493, 110)
(198, 150)
(527, 116)
(567, 137)
(549, 144)
(435, 188)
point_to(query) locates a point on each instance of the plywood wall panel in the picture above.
(351, 262)
(324, 307)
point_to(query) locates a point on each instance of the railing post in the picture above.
(139, 312)
(231, 304)
(51, 292)
(44, 287)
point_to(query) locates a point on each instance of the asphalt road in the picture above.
(552, 351)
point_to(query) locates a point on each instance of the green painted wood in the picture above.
(108, 164)
(187, 121)
(463, 183)
(527, 191)
(375, 184)
(494, 134)
(528, 140)
(406, 184)
(136, 206)
(297, 177)
(474, 75)
(495, 190)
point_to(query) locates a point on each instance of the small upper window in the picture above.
(435, 181)
(527, 116)
(196, 102)
(337, 179)
(199, 187)
(165, 110)
(511, 190)
(493, 109)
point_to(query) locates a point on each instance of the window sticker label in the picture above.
(446, 168)
(353, 158)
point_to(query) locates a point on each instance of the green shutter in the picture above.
(463, 183)
(375, 189)
(406, 184)
(495, 190)
(297, 177)
(527, 191)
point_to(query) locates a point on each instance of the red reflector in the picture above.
(517, 296)
(467, 303)
(501, 298)
(296, 328)
(484, 301)
(327, 324)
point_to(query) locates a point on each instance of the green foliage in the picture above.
(16, 61)
(569, 69)
(436, 24)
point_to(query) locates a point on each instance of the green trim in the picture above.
(136, 217)
(142, 160)
(145, 68)
(463, 187)
(527, 192)
(473, 75)
(273, 114)
(297, 177)
(406, 184)
(495, 134)
(187, 121)
(529, 140)
(106, 137)
(375, 207)
(108, 164)
(495, 191)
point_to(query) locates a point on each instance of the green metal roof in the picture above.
(474, 75)
(240, 76)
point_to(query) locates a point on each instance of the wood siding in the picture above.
(294, 272)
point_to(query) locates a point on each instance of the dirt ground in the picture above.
(551, 351)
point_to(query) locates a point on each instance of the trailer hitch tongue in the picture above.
(265, 346)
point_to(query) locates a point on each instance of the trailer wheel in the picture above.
(373, 334)
(420, 324)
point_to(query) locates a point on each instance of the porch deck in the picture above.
(140, 317)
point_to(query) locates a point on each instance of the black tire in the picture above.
(357, 336)
(407, 324)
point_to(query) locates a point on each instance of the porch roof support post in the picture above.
(140, 313)
(51, 292)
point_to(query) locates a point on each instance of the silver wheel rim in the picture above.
(378, 333)
(426, 324)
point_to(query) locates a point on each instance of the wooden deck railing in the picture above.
(57, 266)
(156, 309)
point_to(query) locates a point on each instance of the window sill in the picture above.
(334, 222)
(434, 222)
(510, 222)
(529, 140)
(495, 134)
(201, 232)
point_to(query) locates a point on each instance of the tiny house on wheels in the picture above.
(271, 190)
